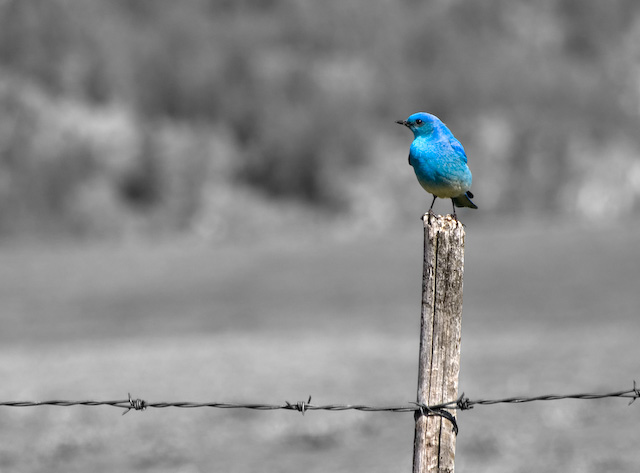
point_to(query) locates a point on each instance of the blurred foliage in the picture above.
(125, 115)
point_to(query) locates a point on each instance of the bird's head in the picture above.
(421, 123)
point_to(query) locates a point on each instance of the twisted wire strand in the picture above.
(462, 403)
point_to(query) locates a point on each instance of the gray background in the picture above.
(210, 201)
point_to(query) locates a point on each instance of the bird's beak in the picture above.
(402, 122)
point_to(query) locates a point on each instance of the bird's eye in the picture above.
(419, 121)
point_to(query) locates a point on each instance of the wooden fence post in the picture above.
(440, 328)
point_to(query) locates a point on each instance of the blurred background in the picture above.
(209, 200)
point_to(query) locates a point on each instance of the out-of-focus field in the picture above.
(549, 308)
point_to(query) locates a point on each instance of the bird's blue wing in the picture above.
(457, 147)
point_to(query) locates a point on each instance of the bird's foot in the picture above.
(429, 215)
(453, 216)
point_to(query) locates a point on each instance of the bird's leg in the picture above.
(432, 202)
(455, 217)
(430, 212)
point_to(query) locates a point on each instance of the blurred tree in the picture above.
(298, 94)
(141, 186)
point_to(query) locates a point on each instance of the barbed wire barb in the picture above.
(463, 403)
(136, 404)
(636, 392)
(300, 406)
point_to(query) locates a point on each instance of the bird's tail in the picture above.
(464, 200)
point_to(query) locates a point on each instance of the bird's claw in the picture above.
(455, 217)
(429, 215)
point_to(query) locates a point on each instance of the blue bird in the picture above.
(439, 161)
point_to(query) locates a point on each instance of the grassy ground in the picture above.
(548, 308)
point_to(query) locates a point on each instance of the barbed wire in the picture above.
(462, 403)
